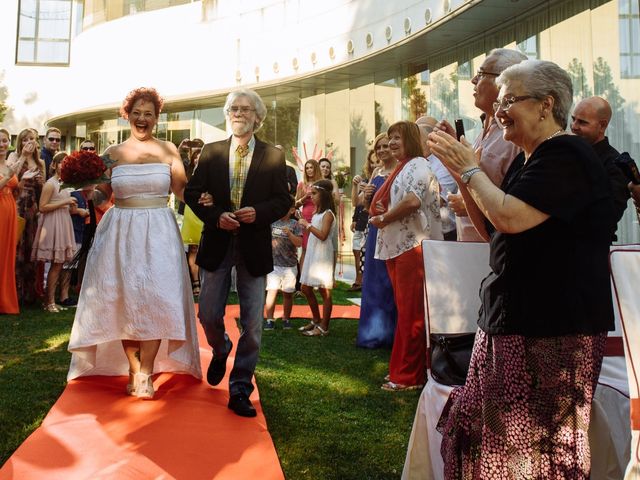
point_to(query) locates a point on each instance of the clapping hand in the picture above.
(206, 199)
(456, 203)
(32, 172)
(369, 190)
(457, 156)
(304, 223)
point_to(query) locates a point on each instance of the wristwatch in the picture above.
(467, 174)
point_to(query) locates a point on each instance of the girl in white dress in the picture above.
(320, 260)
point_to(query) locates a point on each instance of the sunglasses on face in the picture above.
(88, 149)
(53, 139)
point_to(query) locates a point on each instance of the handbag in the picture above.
(450, 357)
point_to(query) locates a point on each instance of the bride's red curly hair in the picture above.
(142, 93)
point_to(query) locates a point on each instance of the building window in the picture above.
(629, 22)
(530, 47)
(464, 71)
(44, 32)
(425, 77)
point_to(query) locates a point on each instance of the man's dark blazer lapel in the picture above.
(256, 160)
(223, 170)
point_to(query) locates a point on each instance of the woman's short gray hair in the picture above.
(541, 78)
(254, 99)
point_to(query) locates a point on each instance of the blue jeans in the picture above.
(214, 293)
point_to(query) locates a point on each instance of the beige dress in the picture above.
(54, 240)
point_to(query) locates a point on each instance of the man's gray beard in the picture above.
(239, 132)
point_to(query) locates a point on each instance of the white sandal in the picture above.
(144, 386)
(131, 385)
(317, 331)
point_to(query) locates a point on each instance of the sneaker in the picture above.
(286, 324)
(69, 302)
(270, 325)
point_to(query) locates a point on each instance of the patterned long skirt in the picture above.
(524, 410)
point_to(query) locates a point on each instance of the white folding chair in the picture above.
(625, 272)
(453, 273)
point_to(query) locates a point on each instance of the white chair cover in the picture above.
(453, 273)
(625, 272)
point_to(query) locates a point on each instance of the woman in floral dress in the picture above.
(31, 177)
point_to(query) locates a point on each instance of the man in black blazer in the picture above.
(247, 180)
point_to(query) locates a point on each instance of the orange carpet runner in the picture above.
(95, 431)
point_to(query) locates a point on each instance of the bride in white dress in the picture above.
(135, 313)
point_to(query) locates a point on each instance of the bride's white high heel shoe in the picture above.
(144, 386)
(131, 386)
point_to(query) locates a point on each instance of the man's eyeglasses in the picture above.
(242, 110)
(506, 103)
(480, 74)
(53, 139)
(88, 149)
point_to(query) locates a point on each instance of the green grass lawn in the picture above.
(321, 396)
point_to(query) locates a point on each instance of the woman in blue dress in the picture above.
(377, 323)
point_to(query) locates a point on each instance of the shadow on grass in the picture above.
(33, 369)
(325, 410)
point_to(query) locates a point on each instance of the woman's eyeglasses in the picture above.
(507, 102)
(88, 149)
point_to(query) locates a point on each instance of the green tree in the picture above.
(381, 123)
(4, 93)
(604, 85)
(581, 88)
(415, 101)
(281, 125)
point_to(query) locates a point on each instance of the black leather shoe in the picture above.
(241, 405)
(218, 367)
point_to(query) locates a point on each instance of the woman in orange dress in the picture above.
(8, 230)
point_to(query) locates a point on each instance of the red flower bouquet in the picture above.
(83, 168)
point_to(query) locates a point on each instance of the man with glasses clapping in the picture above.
(495, 154)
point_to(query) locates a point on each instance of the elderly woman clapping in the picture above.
(546, 305)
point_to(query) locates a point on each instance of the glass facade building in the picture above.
(342, 110)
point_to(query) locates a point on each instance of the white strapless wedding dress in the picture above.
(136, 284)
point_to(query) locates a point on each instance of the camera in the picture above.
(625, 163)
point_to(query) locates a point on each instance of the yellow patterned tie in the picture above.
(238, 176)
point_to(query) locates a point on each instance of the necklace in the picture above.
(555, 134)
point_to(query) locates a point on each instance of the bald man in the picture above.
(446, 181)
(590, 120)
